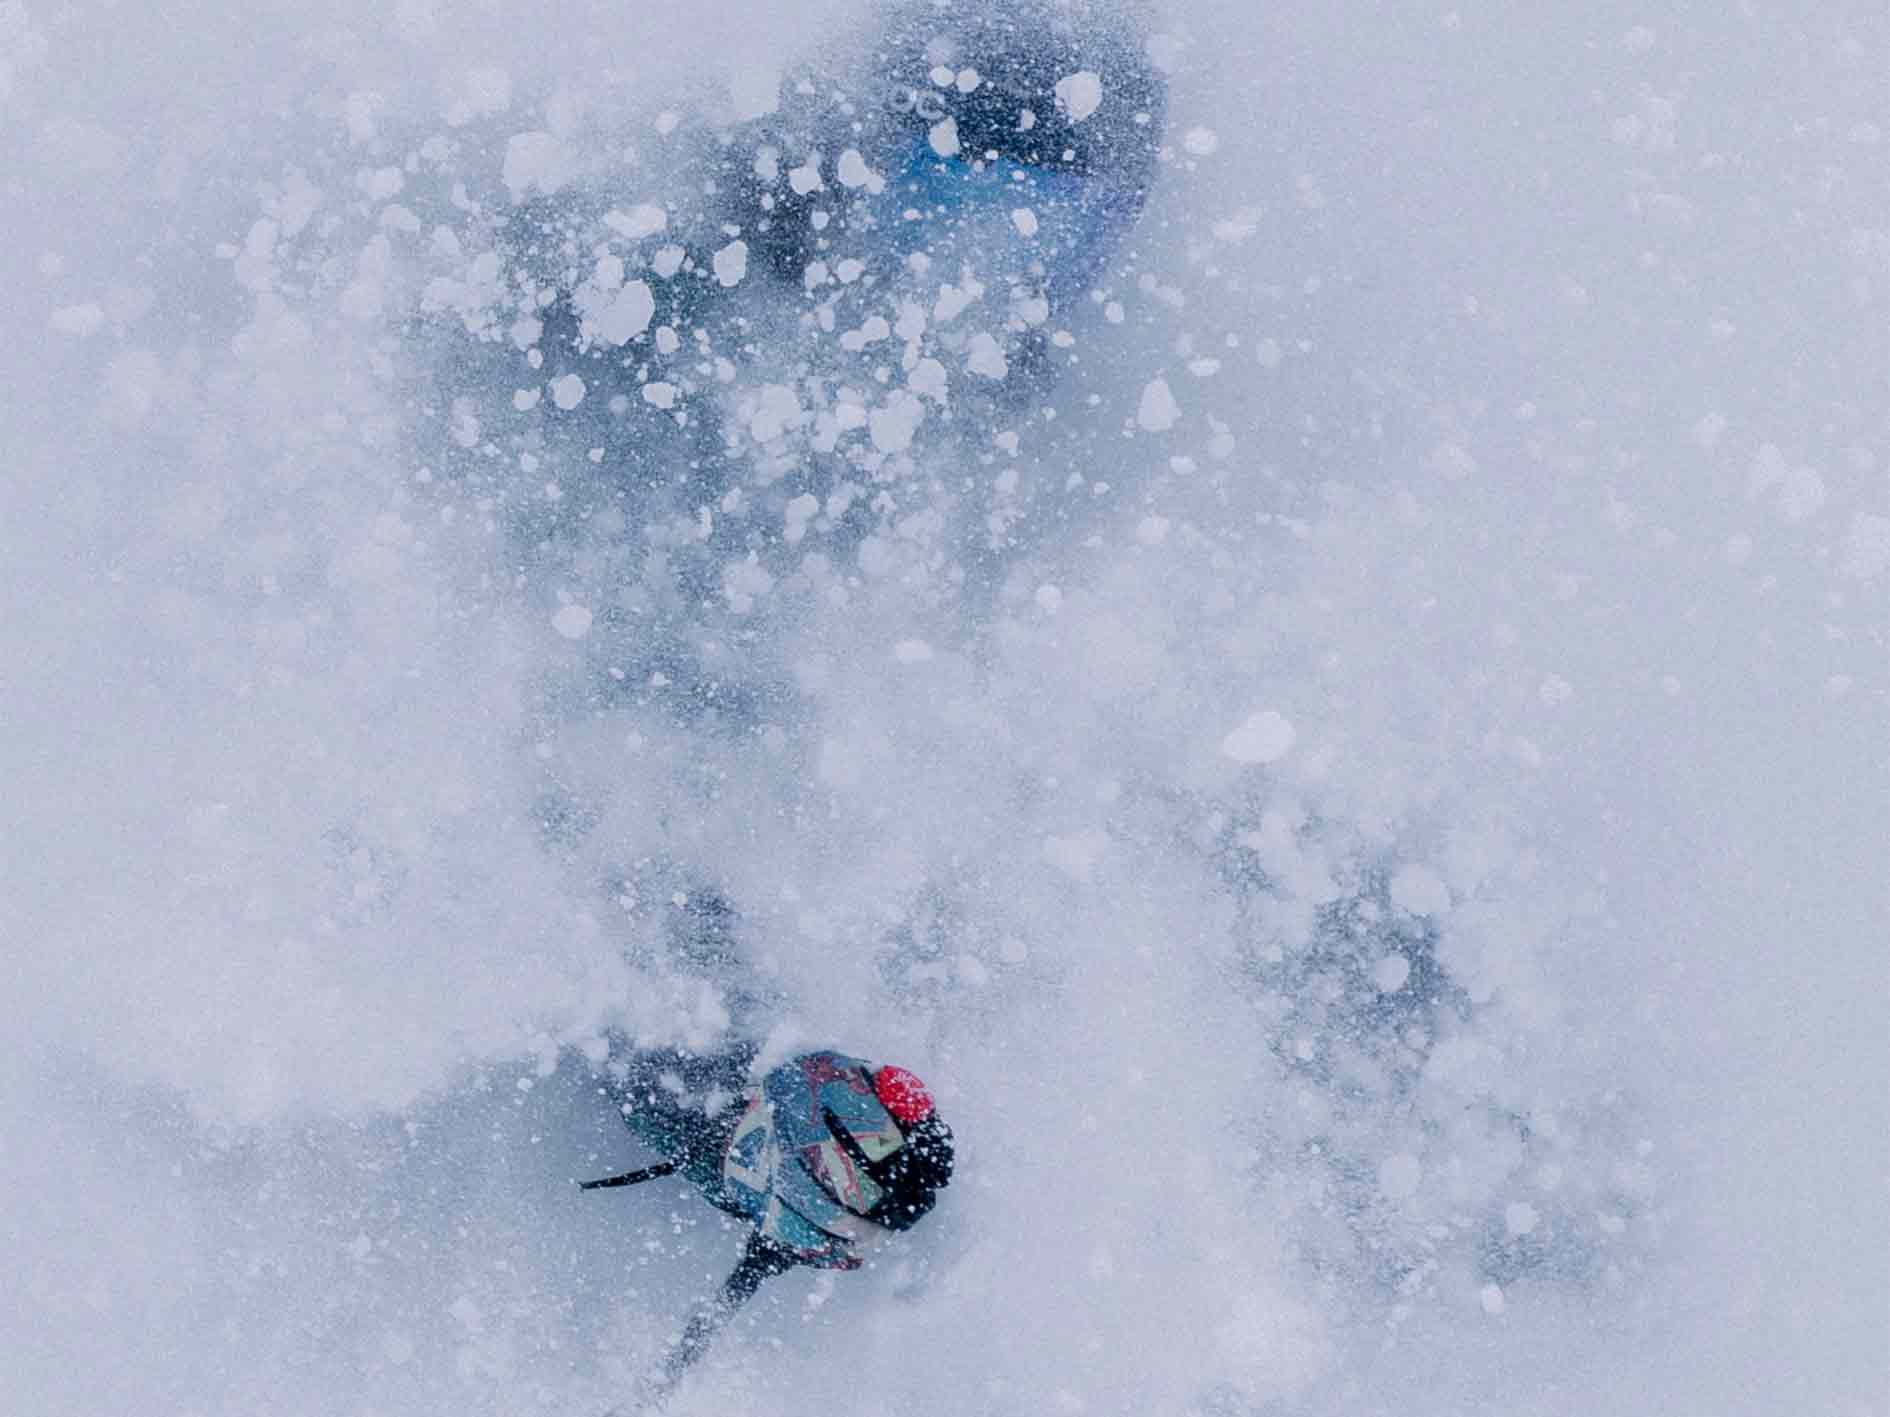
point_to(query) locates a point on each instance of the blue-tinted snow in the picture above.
(1365, 795)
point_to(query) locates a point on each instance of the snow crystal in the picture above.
(1158, 411)
(912, 651)
(1420, 891)
(639, 221)
(1265, 737)
(567, 392)
(731, 263)
(572, 621)
(1399, 1175)
(1391, 973)
(1079, 94)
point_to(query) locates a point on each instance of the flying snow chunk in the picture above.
(1520, 1217)
(1025, 220)
(1399, 1175)
(537, 159)
(775, 411)
(1420, 890)
(894, 423)
(1265, 737)
(640, 221)
(1159, 411)
(1491, 1297)
(853, 172)
(797, 514)
(1080, 94)
(731, 263)
(567, 392)
(1390, 973)
(745, 582)
(1202, 142)
(912, 651)
(944, 137)
(660, 395)
(572, 621)
(985, 356)
(627, 316)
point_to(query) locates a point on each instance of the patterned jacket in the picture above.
(785, 1171)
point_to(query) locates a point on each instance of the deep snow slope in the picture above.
(1364, 789)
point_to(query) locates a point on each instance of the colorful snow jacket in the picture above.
(786, 1170)
(790, 1153)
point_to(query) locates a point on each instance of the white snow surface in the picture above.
(329, 861)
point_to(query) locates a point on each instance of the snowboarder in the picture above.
(820, 1155)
